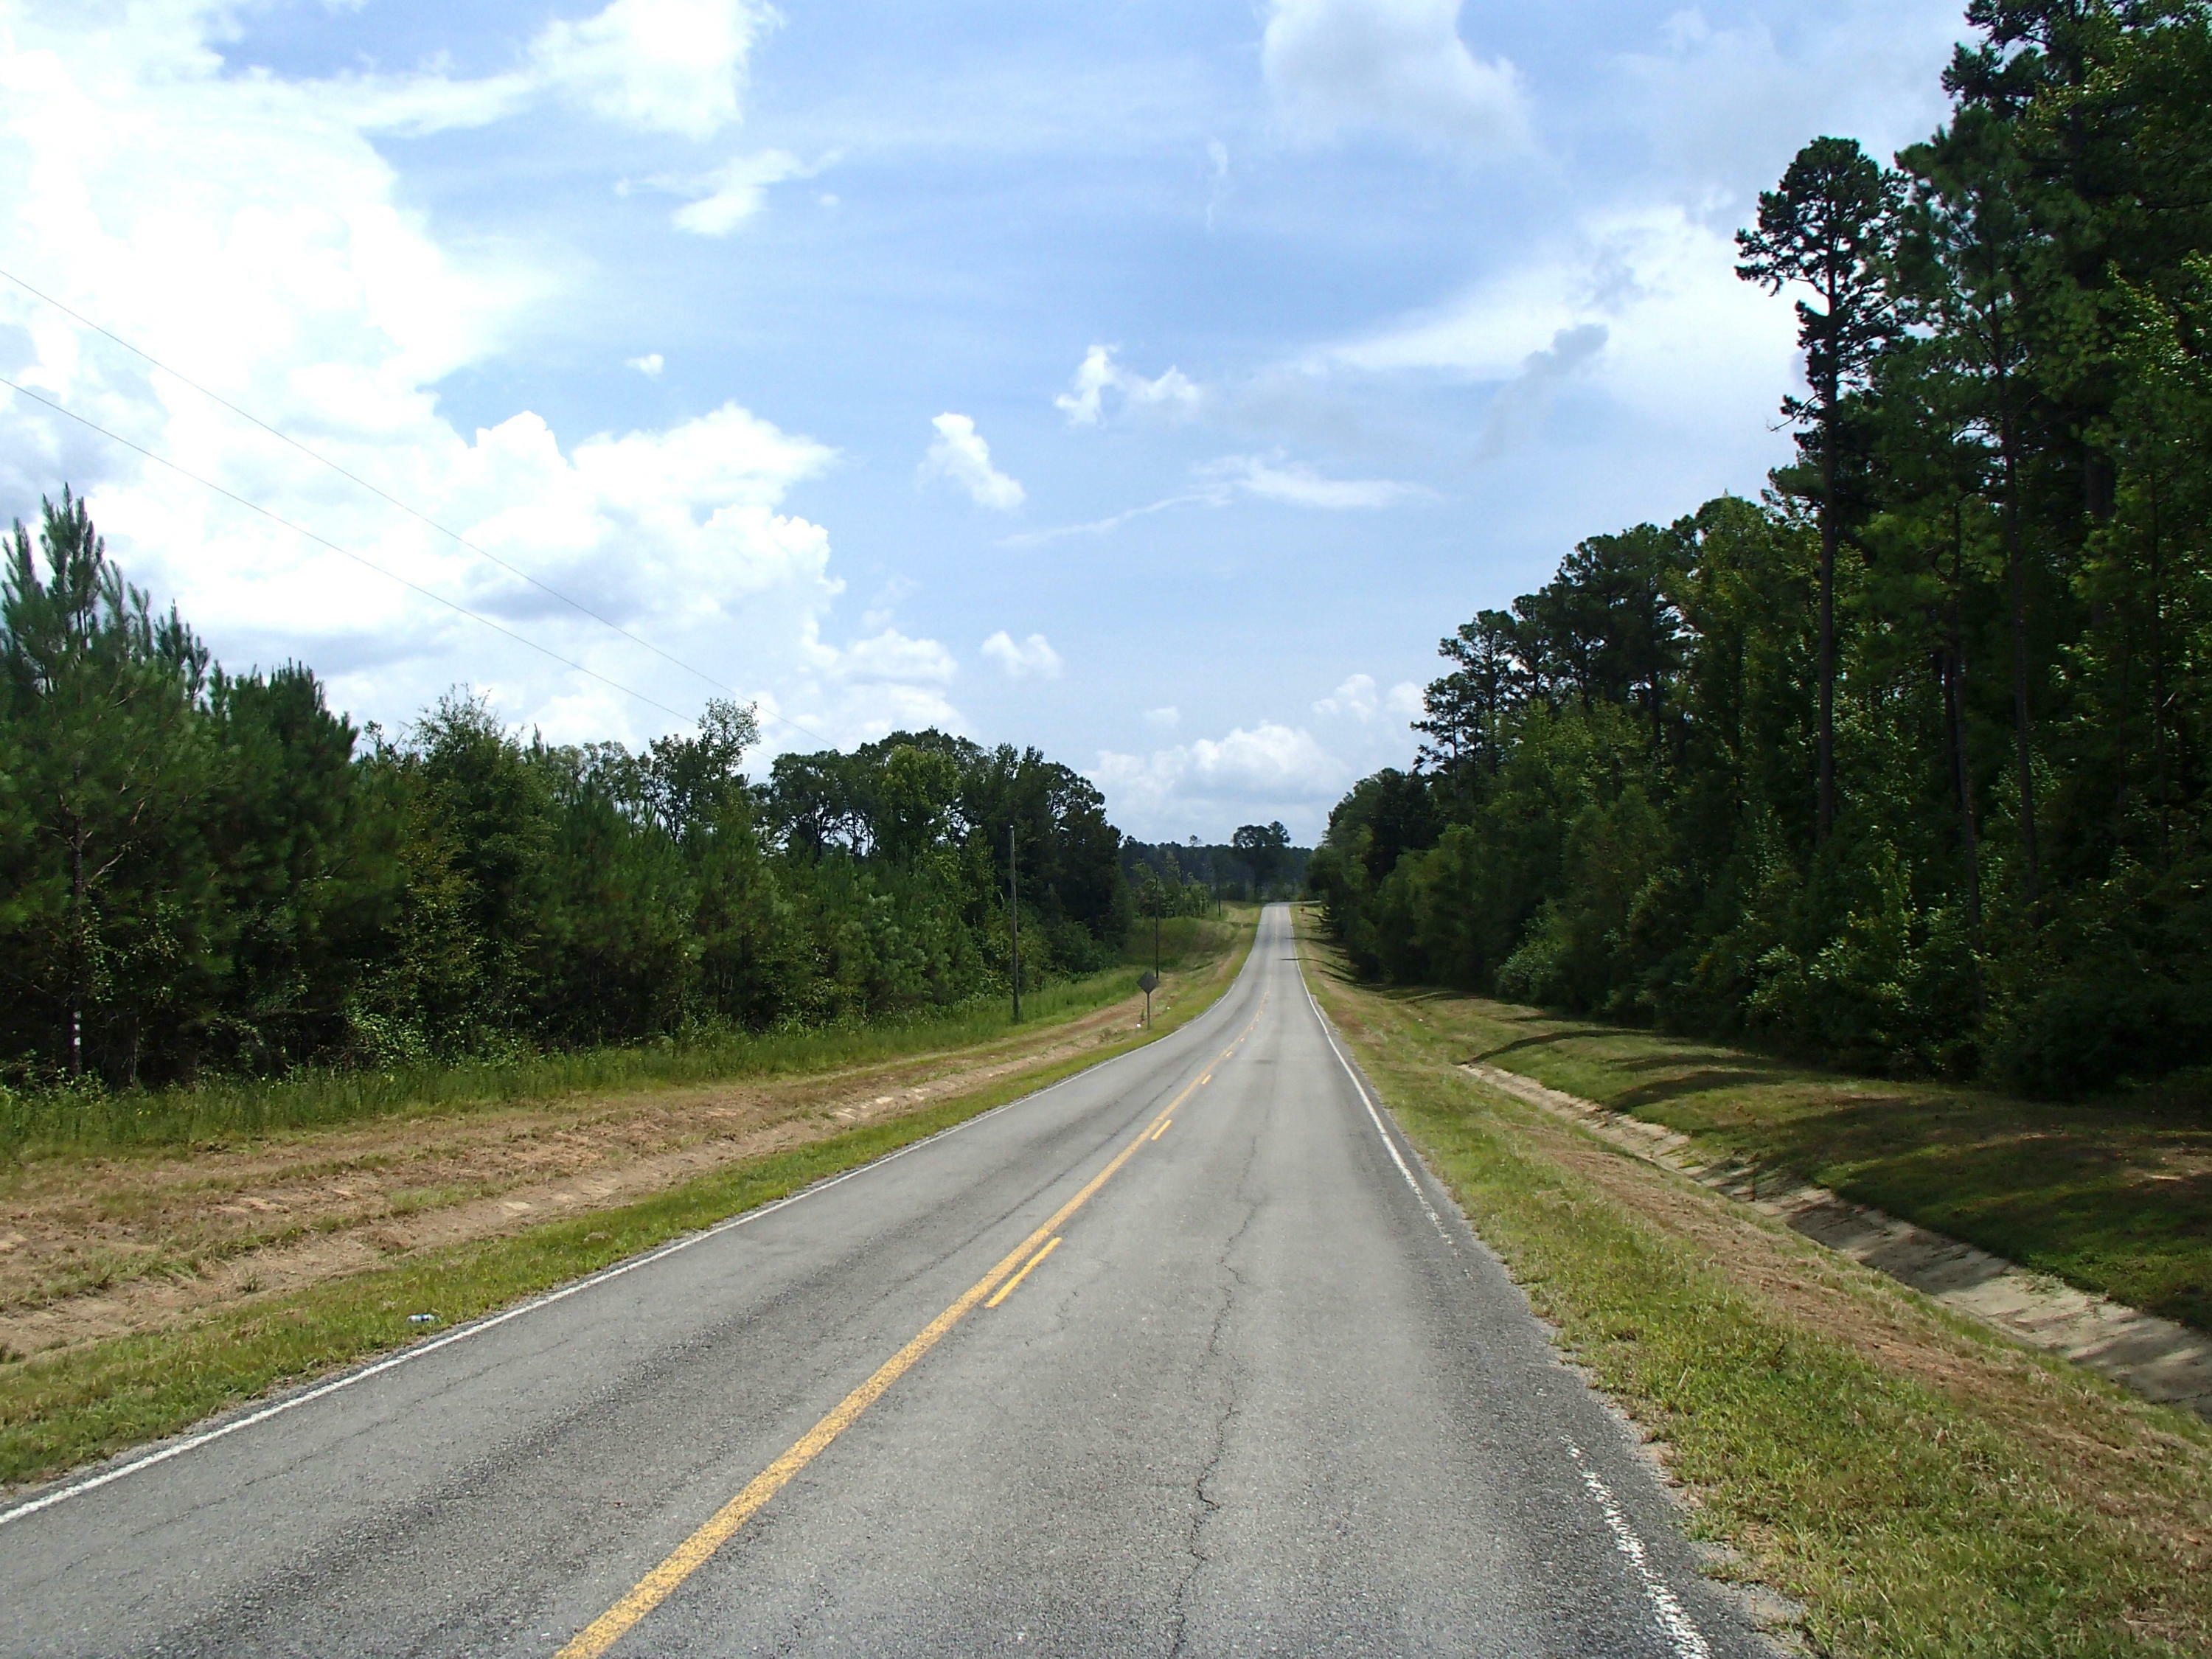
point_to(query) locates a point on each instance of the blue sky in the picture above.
(1151, 382)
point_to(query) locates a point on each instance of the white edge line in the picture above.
(1366, 1100)
(478, 1326)
(1674, 1619)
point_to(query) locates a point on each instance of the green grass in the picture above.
(1184, 941)
(35, 1124)
(61, 1410)
(1974, 1502)
(2115, 1198)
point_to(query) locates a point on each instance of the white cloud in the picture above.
(1214, 495)
(961, 456)
(1232, 477)
(1396, 66)
(734, 191)
(650, 365)
(1298, 486)
(1727, 106)
(1163, 720)
(1034, 656)
(1518, 411)
(1173, 392)
(1269, 768)
(1359, 697)
(1355, 697)
(675, 66)
(245, 228)
(1645, 304)
(668, 65)
(891, 655)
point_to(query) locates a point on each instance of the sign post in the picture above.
(1148, 981)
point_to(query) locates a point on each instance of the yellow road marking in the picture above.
(1162, 1130)
(694, 1552)
(1008, 1288)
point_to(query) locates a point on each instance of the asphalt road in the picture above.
(1267, 1394)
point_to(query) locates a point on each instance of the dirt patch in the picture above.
(94, 1248)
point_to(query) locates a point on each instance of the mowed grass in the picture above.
(2113, 1197)
(1923, 1489)
(62, 1410)
(35, 1124)
(1185, 940)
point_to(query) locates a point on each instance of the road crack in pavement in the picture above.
(1213, 1358)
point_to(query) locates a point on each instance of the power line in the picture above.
(382, 494)
(344, 552)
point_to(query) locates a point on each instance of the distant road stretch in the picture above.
(1185, 1355)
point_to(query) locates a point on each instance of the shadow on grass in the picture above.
(2113, 1197)
(1542, 1039)
(1687, 1084)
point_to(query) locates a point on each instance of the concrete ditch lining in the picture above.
(2161, 1360)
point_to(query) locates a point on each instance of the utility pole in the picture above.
(1014, 919)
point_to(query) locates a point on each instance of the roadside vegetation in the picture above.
(1921, 1487)
(57, 1121)
(207, 1274)
(1906, 766)
(2113, 1197)
(206, 874)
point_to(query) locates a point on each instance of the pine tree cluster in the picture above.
(1910, 763)
(201, 870)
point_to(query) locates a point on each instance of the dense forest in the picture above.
(1909, 764)
(204, 870)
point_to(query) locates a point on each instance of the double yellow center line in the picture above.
(694, 1552)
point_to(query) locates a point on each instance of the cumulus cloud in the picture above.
(245, 228)
(1174, 392)
(961, 457)
(1361, 699)
(891, 655)
(734, 191)
(1033, 657)
(670, 65)
(677, 66)
(1392, 66)
(1275, 480)
(1355, 697)
(650, 365)
(1278, 769)
(1645, 303)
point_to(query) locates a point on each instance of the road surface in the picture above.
(1185, 1355)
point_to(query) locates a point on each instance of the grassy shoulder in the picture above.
(66, 1123)
(60, 1410)
(1922, 1488)
(2115, 1198)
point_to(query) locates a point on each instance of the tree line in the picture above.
(1257, 863)
(1909, 764)
(200, 869)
